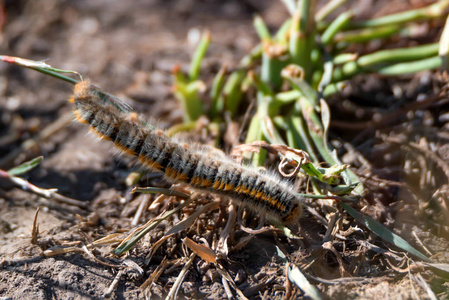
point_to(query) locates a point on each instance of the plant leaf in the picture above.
(26, 166)
(202, 251)
(382, 231)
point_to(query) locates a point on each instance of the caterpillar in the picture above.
(180, 162)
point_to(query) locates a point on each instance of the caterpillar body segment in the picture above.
(193, 165)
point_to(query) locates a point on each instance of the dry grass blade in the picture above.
(296, 277)
(155, 247)
(421, 243)
(288, 285)
(331, 248)
(94, 258)
(242, 242)
(109, 239)
(154, 190)
(114, 284)
(331, 227)
(420, 280)
(256, 289)
(440, 267)
(45, 193)
(63, 199)
(387, 253)
(35, 230)
(202, 251)
(137, 234)
(187, 222)
(349, 280)
(128, 267)
(176, 286)
(229, 279)
(25, 185)
(222, 246)
(57, 250)
(260, 230)
(156, 274)
(227, 289)
(180, 226)
(144, 202)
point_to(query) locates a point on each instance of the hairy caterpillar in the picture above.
(180, 162)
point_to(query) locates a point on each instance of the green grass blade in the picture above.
(261, 86)
(270, 132)
(295, 276)
(126, 246)
(261, 29)
(351, 69)
(271, 68)
(412, 67)
(215, 92)
(287, 97)
(301, 134)
(443, 50)
(281, 35)
(382, 231)
(26, 166)
(302, 36)
(300, 84)
(187, 95)
(435, 10)
(198, 56)
(255, 134)
(367, 34)
(399, 55)
(232, 91)
(338, 24)
(252, 57)
(40, 66)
